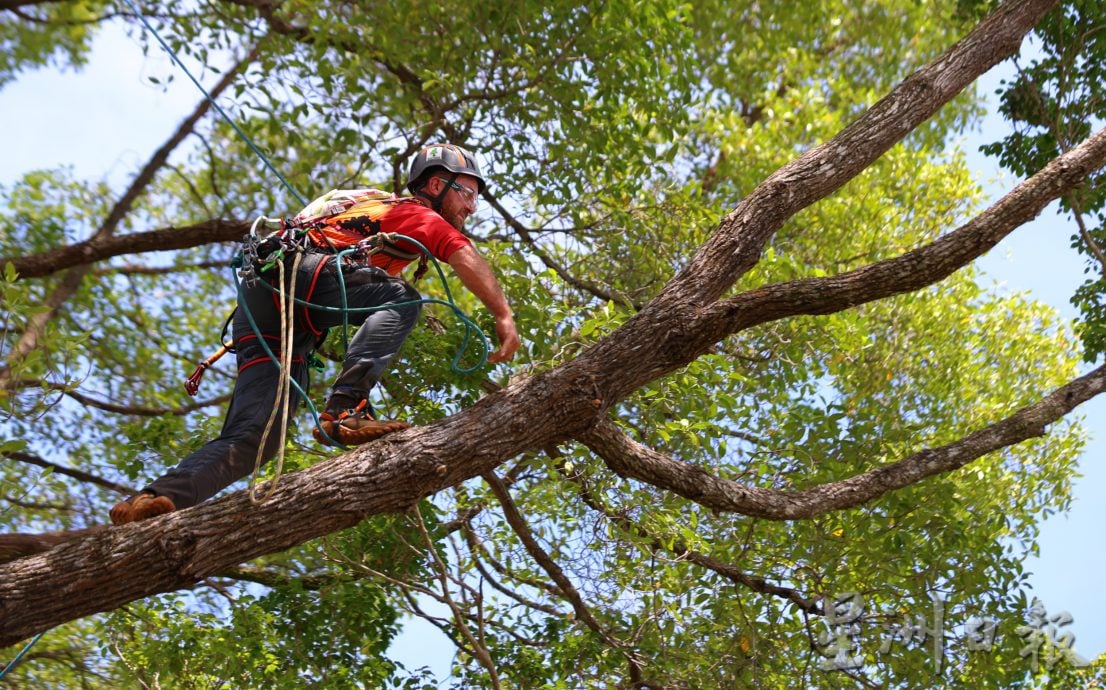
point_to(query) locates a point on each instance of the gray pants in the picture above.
(232, 455)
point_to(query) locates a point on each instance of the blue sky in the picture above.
(107, 119)
(1037, 259)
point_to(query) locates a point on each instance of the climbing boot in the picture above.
(140, 507)
(355, 426)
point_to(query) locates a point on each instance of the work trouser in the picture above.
(233, 454)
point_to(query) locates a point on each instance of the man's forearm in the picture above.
(478, 277)
(480, 280)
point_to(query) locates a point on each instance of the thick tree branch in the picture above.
(631, 459)
(701, 329)
(102, 248)
(735, 247)
(16, 4)
(914, 269)
(16, 546)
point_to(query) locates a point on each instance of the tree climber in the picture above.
(444, 181)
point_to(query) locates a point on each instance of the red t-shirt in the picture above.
(343, 218)
(424, 225)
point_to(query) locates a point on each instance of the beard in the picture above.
(457, 221)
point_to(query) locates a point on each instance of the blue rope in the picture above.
(245, 137)
(19, 656)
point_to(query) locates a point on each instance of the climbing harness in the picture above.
(284, 389)
(259, 255)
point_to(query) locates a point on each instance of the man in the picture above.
(445, 181)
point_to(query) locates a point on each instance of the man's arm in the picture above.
(480, 280)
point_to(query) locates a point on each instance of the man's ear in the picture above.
(432, 187)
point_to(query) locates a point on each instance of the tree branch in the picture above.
(136, 410)
(101, 248)
(568, 590)
(16, 4)
(476, 642)
(914, 269)
(524, 233)
(139, 270)
(81, 475)
(631, 459)
(140, 410)
(478, 552)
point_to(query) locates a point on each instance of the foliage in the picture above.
(615, 135)
(1054, 102)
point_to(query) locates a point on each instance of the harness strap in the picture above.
(266, 358)
(307, 298)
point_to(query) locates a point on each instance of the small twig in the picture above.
(568, 590)
(479, 650)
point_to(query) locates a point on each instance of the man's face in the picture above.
(457, 204)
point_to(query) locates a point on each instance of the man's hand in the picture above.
(508, 339)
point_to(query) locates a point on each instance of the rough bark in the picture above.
(118, 565)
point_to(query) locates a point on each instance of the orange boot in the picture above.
(354, 427)
(140, 507)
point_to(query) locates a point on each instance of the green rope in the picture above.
(245, 137)
(272, 358)
(470, 326)
(19, 656)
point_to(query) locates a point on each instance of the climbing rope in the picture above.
(19, 656)
(245, 137)
(284, 388)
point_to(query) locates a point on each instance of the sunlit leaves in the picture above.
(1055, 101)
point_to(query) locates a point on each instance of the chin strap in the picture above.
(436, 202)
